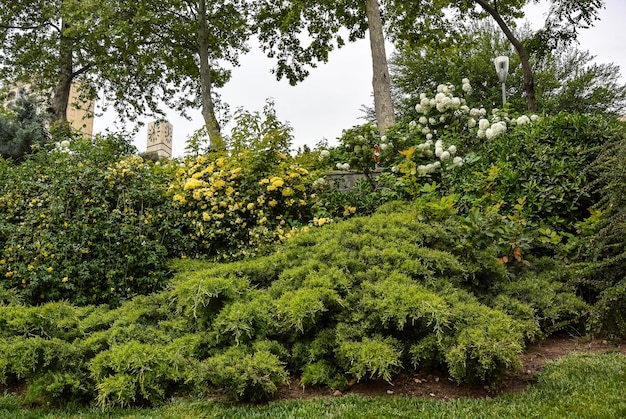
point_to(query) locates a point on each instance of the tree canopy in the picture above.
(567, 79)
(21, 129)
(137, 55)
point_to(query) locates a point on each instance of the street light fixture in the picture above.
(502, 68)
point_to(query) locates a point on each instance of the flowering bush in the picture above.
(542, 162)
(85, 222)
(236, 206)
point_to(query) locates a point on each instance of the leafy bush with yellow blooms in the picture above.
(91, 223)
(238, 205)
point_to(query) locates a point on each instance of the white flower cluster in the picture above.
(343, 166)
(63, 146)
(320, 183)
(443, 101)
(445, 155)
(324, 154)
(499, 123)
(467, 87)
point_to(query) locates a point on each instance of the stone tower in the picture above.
(160, 138)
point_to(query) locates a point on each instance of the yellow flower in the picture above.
(408, 153)
(287, 192)
(272, 203)
(206, 216)
(8, 274)
(264, 181)
(65, 279)
(271, 188)
(50, 269)
(348, 210)
(250, 208)
(220, 162)
(192, 184)
(219, 184)
(320, 221)
(277, 182)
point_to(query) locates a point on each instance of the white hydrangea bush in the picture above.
(443, 125)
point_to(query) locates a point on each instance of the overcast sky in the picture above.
(330, 99)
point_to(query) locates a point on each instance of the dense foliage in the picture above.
(364, 298)
(22, 129)
(566, 78)
(603, 272)
(469, 263)
(545, 163)
(90, 223)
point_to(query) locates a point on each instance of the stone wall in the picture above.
(345, 180)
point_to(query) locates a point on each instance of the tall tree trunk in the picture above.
(61, 92)
(208, 108)
(381, 80)
(529, 79)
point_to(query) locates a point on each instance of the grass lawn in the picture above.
(577, 386)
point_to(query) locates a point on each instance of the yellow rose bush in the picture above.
(93, 224)
(238, 205)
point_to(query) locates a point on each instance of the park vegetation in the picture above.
(473, 232)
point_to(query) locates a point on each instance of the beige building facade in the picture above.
(80, 112)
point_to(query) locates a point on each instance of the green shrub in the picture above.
(376, 357)
(486, 341)
(142, 373)
(323, 373)
(362, 298)
(246, 377)
(245, 319)
(546, 289)
(545, 163)
(602, 271)
(89, 224)
(399, 303)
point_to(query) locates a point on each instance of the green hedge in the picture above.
(365, 298)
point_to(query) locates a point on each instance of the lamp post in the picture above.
(502, 68)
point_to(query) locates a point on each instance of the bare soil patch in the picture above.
(438, 386)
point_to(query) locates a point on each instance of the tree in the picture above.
(381, 81)
(136, 54)
(21, 129)
(566, 78)
(192, 39)
(420, 68)
(565, 18)
(561, 28)
(281, 24)
(52, 44)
